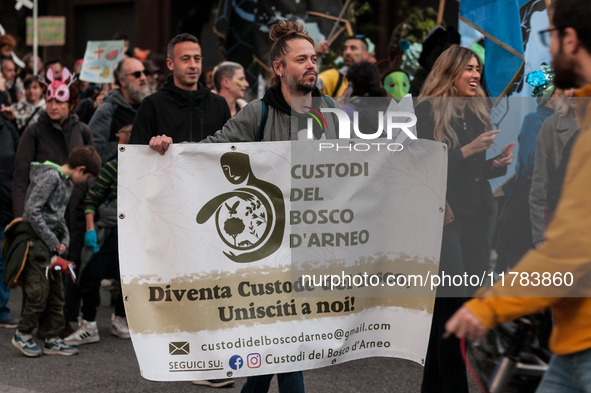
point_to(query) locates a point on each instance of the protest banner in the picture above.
(52, 30)
(100, 60)
(215, 241)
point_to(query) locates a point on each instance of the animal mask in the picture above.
(58, 89)
(397, 84)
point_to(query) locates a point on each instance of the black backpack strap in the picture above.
(22, 129)
(264, 116)
(339, 83)
(36, 135)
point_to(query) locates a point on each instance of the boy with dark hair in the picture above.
(43, 228)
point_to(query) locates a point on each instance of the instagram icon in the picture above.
(253, 360)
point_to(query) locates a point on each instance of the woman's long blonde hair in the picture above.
(439, 89)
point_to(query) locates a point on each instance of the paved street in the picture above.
(111, 366)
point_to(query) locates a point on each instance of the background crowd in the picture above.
(144, 105)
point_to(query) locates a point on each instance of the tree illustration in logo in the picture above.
(234, 227)
(255, 205)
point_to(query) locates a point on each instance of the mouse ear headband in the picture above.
(58, 89)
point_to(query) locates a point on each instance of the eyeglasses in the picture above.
(545, 35)
(137, 74)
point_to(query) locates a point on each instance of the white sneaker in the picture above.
(87, 333)
(119, 327)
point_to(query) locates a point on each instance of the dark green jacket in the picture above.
(20, 241)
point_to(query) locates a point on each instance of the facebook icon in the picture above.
(236, 362)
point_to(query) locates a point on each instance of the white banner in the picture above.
(214, 240)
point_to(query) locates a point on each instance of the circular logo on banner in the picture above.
(242, 223)
(250, 220)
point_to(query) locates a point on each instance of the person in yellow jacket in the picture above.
(566, 253)
(333, 82)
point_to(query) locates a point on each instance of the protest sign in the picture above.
(215, 241)
(100, 60)
(52, 30)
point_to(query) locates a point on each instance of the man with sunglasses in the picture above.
(566, 254)
(333, 82)
(119, 107)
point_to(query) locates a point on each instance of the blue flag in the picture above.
(500, 22)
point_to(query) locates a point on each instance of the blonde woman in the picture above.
(453, 109)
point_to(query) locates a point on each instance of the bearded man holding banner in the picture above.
(567, 249)
(293, 61)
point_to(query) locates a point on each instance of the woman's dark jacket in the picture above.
(467, 184)
(47, 140)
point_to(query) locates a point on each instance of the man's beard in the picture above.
(565, 75)
(298, 88)
(137, 95)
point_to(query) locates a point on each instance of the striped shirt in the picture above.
(104, 189)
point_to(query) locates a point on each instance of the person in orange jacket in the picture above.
(567, 251)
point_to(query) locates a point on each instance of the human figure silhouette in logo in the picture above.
(263, 205)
